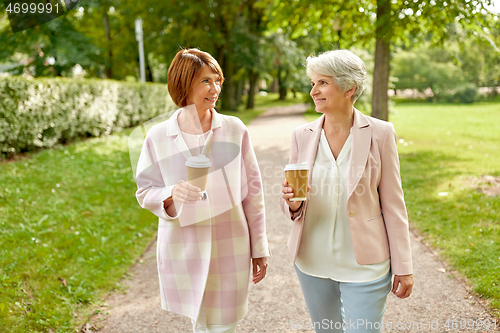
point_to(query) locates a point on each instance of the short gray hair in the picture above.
(346, 69)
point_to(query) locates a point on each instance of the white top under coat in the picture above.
(326, 248)
(195, 142)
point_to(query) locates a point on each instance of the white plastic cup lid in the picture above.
(200, 161)
(301, 166)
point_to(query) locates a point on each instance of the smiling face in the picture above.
(205, 89)
(326, 93)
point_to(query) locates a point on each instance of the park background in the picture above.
(70, 93)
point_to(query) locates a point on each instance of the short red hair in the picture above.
(186, 65)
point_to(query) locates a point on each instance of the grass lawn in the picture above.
(442, 148)
(70, 227)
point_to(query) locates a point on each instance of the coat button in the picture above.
(352, 213)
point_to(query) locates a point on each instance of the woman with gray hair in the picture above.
(351, 232)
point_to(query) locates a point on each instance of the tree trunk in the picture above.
(380, 99)
(253, 77)
(283, 91)
(239, 91)
(282, 83)
(274, 87)
(228, 101)
(149, 72)
(109, 65)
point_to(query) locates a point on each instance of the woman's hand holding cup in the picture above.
(288, 194)
(186, 193)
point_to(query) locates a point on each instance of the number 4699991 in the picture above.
(470, 324)
(33, 8)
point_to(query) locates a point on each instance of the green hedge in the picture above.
(39, 113)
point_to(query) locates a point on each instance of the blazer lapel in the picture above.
(309, 144)
(361, 142)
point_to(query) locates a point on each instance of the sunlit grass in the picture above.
(442, 147)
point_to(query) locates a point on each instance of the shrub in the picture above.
(39, 113)
(466, 93)
(422, 70)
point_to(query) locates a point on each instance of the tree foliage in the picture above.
(420, 70)
(450, 66)
(50, 49)
(388, 22)
(254, 39)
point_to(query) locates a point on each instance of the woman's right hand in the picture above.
(288, 194)
(186, 193)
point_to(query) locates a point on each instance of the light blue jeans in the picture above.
(345, 307)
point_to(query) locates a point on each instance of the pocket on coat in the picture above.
(375, 218)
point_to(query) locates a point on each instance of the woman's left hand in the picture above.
(260, 273)
(403, 285)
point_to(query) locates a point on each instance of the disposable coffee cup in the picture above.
(297, 176)
(197, 172)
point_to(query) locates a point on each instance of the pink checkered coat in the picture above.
(210, 253)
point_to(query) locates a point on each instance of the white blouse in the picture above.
(326, 249)
(195, 142)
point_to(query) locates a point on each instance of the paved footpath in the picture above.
(276, 304)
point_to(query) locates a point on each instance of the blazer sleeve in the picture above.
(393, 206)
(152, 190)
(253, 199)
(294, 152)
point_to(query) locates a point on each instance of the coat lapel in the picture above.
(173, 130)
(181, 144)
(361, 142)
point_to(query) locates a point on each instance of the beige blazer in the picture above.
(375, 204)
